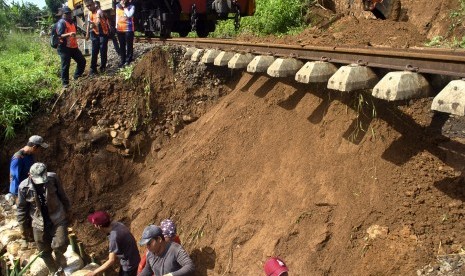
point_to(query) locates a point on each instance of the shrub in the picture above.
(274, 17)
(28, 73)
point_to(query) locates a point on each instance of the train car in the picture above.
(161, 17)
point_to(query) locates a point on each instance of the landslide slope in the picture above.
(276, 168)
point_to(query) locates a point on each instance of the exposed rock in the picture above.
(376, 231)
(188, 119)
(117, 142)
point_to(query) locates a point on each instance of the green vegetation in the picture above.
(274, 17)
(456, 17)
(271, 17)
(439, 41)
(28, 73)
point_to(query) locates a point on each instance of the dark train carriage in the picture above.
(161, 17)
(182, 16)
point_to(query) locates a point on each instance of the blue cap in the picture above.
(150, 232)
(65, 9)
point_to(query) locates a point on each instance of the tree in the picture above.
(53, 5)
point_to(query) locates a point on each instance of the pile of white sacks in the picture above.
(17, 248)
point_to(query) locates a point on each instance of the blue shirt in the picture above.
(123, 244)
(19, 169)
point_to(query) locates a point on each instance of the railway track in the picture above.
(422, 60)
(350, 68)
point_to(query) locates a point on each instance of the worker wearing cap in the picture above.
(168, 228)
(44, 207)
(274, 266)
(164, 258)
(68, 47)
(122, 245)
(22, 161)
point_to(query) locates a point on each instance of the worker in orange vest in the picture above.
(98, 30)
(125, 30)
(68, 47)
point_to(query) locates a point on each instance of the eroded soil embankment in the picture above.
(273, 167)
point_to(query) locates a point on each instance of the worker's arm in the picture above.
(14, 175)
(88, 27)
(112, 258)
(187, 265)
(61, 194)
(129, 11)
(62, 28)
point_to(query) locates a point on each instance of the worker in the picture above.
(164, 258)
(43, 214)
(122, 245)
(168, 228)
(68, 47)
(98, 30)
(22, 161)
(112, 34)
(125, 30)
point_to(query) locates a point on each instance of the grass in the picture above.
(271, 17)
(29, 73)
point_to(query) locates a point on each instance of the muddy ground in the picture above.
(250, 166)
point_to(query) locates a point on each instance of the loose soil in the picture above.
(250, 166)
(339, 23)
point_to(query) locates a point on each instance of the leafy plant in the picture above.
(274, 17)
(225, 29)
(435, 41)
(126, 72)
(29, 74)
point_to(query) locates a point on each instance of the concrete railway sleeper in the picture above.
(408, 73)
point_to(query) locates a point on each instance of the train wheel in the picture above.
(183, 33)
(149, 34)
(202, 31)
(165, 33)
(202, 28)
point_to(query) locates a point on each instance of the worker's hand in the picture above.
(72, 34)
(87, 37)
(90, 274)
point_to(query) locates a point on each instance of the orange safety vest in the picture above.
(98, 21)
(123, 24)
(71, 42)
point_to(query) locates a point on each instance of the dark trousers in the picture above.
(54, 238)
(127, 273)
(66, 54)
(99, 45)
(126, 43)
(114, 39)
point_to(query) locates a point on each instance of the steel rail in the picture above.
(449, 62)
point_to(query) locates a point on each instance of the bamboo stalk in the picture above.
(92, 258)
(73, 242)
(82, 253)
(16, 266)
